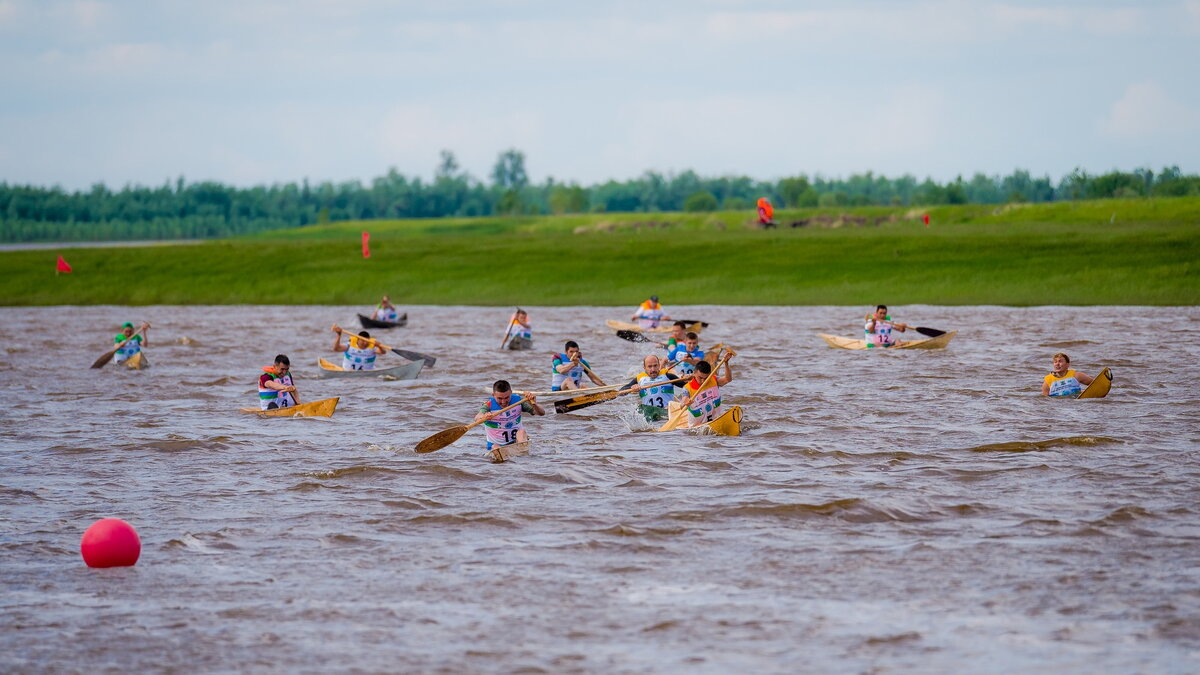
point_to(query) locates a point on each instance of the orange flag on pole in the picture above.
(62, 266)
(366, 247)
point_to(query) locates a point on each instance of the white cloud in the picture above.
(83, 14)
(1145, 110)
(10, 10)
(1191, 10)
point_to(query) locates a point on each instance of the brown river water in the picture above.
(882, 512)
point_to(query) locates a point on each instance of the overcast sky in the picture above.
(258, 92)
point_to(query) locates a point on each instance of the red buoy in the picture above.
(110, 542)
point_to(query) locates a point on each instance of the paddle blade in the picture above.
(571, 404)
(632, 336)
(703, 324)
(441, 439)
(100, 362)
(416, 356)
(931, 332)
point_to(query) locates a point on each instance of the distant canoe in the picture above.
(665, 327)
(519, 344)
(408, 371)
(938, 342)
(368, 322)
(137, 361)
(322, 408)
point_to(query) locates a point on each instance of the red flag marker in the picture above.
(926, 219)
(62, 266)
(366, 247)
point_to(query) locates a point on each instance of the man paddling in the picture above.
(130, 344)
(569, 367)
(518, 325)
(650, 313)
(702, 394)
(654, 389)
(357, 354)
(1063, 381)
(275, 386)
(878, 330)
(688, 354)
(385, 311)
(505, 428)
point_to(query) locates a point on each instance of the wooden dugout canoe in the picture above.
(938, 342)
(664, 328)
(518, 343)
(408, 371)
(501, 453)
(368, 322)
(136, 362)
(1099, 386)
(322, 408)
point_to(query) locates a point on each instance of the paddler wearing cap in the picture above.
(275, 386)
(132, 343)
(650, 313)
(357, 354)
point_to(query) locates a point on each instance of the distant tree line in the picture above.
(182, 210)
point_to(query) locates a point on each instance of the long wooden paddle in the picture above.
(447, 436)
(508, 329)
(105, 358)
(572, 404)
(404, 353)
(930, 332)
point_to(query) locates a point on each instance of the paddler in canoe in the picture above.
(520, 333)
(130, 344)
(1063, 381)
(878, 330)
(504, 427)
(686, 355)
(702, 394)
(650, 313)
(654, 388)
(568, 368)
(275, 386)
(356, 354)
(385, 311)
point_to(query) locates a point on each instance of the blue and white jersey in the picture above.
(358, 359)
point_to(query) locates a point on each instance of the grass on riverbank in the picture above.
(1141, 252)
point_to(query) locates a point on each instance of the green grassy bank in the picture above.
(1121, 252)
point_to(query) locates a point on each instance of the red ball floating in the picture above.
(110, 542)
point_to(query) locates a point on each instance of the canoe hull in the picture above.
(408, 371)
(728, 424)
(1099, 386)
(502, 453)
(368, 322)
(520, 344)
(136, 362)
(665, 328)
(938, 342)
(322, 408)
